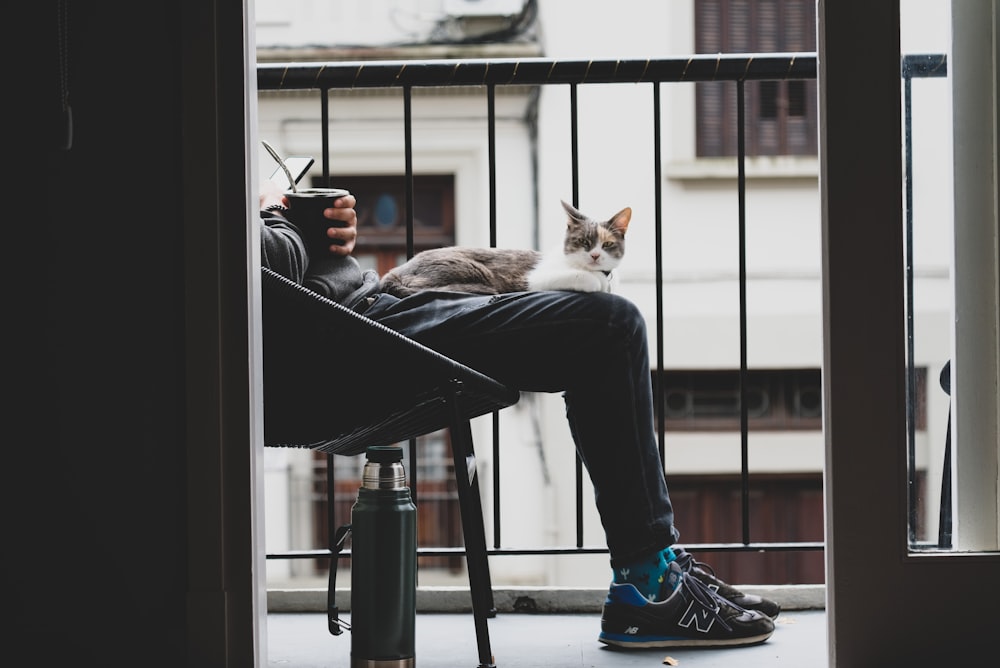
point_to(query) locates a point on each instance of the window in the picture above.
(381, 215)
(780, 115)
(777, 399)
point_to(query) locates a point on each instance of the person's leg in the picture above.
(591, 346)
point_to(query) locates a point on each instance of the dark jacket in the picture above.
(337, 277)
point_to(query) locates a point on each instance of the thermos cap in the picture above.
(384, 468)
(384, 454)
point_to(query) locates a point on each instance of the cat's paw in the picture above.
(571, 281)
(590, 281)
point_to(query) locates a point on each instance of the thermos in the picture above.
(383, 564)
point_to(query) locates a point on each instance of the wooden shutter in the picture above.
(781, 115)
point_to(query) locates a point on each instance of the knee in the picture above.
(622, 313)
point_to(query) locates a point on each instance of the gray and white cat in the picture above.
(583, 263)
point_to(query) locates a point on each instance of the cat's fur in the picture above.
(583, 263)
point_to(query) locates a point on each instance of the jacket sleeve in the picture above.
(282, 248)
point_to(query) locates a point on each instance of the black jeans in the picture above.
(593, 348)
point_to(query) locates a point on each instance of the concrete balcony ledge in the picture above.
(551, 600)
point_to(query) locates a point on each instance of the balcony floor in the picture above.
(549, 640)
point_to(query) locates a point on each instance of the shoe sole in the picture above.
(632, 642)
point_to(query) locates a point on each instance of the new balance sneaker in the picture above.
(706, 575)
(691, 616)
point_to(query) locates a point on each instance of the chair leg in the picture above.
(470, 505)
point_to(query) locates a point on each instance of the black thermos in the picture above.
(383, 564)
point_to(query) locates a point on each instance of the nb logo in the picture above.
(632, 630)
(701, 618)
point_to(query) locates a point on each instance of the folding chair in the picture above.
(338, 382)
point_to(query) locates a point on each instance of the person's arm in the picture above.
(281, 247)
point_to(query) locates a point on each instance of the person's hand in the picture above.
(342, 238)
(270, 194)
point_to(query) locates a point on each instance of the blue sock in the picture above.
(647, 574)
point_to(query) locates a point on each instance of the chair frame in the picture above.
(430, 392)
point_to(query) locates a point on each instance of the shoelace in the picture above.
(703, 566)
(687, 562)
(707, 598)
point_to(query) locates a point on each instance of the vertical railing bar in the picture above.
(741, 186)
(331, 520)
(413, 470)
(575, 171)
(574, 148)
(496, 479)
(491, 118)
(491, 125)
(408, 198)
(331, 507)
(911, 374)
(408, 164)
(324, 114)
(658, 380)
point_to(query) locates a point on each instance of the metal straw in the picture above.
(281, 163)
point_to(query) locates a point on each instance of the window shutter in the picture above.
(800, 116)
(738, 35)
(710, 121)
(780, 115)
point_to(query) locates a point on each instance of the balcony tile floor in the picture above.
(518, 640)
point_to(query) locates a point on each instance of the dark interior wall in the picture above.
(95, 561)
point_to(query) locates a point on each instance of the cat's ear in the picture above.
(573, 212)
(619, 222)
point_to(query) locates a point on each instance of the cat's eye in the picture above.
(608, 245)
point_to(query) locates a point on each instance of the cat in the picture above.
(583, 263)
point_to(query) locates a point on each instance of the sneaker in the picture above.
(706, 575)
(692, 616)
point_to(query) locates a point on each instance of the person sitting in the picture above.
(593, 348)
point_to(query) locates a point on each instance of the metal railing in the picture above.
(492, 73)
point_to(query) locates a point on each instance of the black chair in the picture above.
(338, 382)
